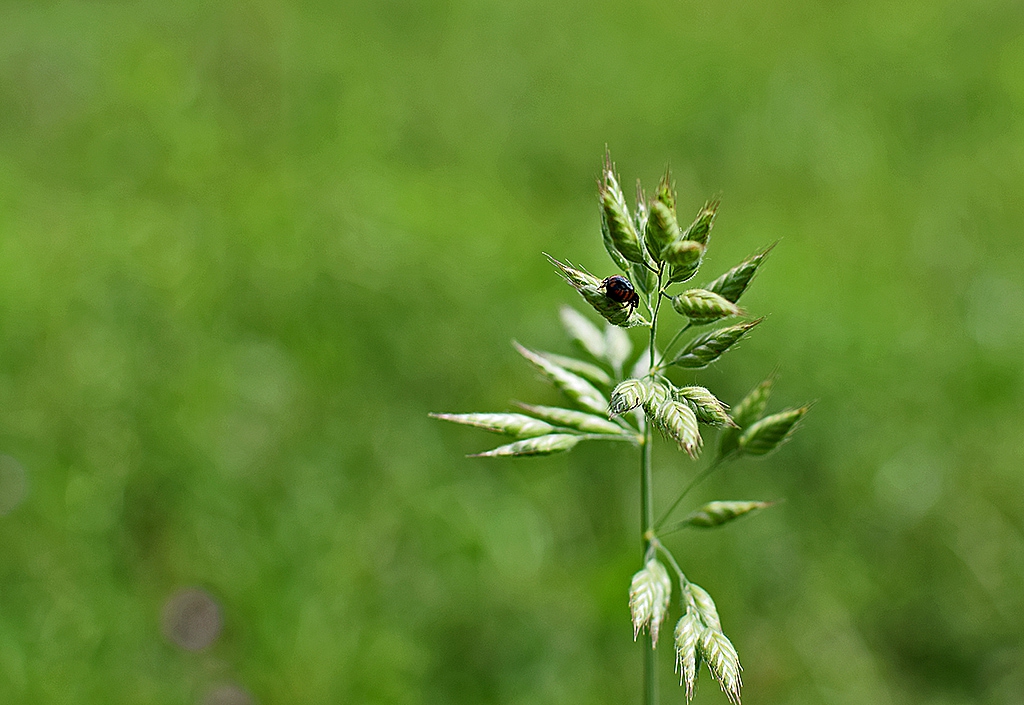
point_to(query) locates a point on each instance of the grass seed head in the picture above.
(705, 349)
(576, 420)
(649, 594)
(706, 405)
(723, 662)
(572, 385)
(510, 424)
(662, 228)
(541, 445)
(627, 396)
(769, 433)
(733, 283)
(700, 228)
(616, 218)
(679, 423)
(687, 634)
(684, 258)
(703, 306)
(715, 514)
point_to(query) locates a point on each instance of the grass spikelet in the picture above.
(733, 283)
(723, 662)
(649, 595)
(702, 306)
(583, 332)
(572, 385)
(541, 445)
(749, 410)
(627, 396)
(700, 229)
(698, 598)
(706, 406)
(687, 634)
(705, 349)
(615, 216)
(684, 257)
(717, 513)
(662, 228)
(678, 421)
(510, 424)
(588, 371)
(770, 432)
(576, 420)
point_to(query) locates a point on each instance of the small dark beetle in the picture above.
(619, 289)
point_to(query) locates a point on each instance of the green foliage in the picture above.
(245, 247)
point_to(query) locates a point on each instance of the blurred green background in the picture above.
(246, 247)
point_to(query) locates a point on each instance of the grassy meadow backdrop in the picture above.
(246, 247)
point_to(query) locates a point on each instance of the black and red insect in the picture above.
(620, 290)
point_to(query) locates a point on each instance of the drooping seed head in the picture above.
(687, 634)
(649, 594)
(708, 408)
(626, 396)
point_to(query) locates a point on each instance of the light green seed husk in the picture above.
(769, 433)
(618, 346)
(570, 418)
(662, 228)
(700, 228)
(583, 332)
(701, 601)
(649, 594)
(687, 634)
(723, 662)
(705, 349)
(733, 283)
(749, 410)
(678, 421)
(656, 393)
(684, 258)
(616, 218)
(586, 370)
(703, 306)
(717, 513)
(541, 445)
(509, 424)
(709, 409)
(572, 385)
(627, 396)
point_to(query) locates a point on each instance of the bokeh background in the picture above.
(246, 247)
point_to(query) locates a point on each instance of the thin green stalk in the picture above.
(676, 337)
(693, 483)
(647, 512)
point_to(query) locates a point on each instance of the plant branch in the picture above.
(693, 483)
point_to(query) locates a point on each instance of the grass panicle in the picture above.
(655, 254)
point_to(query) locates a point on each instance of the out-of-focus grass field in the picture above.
(246, 247)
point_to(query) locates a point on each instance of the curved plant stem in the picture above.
(675, 337)
(693, 483)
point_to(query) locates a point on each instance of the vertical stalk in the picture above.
(647, 514)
